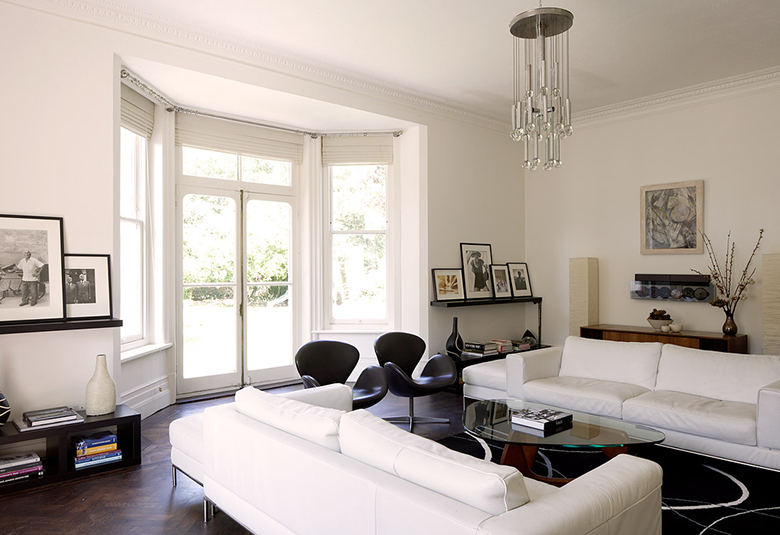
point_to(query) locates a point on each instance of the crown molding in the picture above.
(115, 16)
(696, 95)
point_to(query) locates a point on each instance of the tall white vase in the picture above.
(101, 390)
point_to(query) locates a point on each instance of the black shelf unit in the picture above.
(60, 325)
(58, 460)
(460, 364)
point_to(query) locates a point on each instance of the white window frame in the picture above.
(359, 324)
(142, 169)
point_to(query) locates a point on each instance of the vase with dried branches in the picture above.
(730, 292)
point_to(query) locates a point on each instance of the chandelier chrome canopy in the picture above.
(541, 111)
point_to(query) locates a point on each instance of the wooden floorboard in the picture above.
(142, 500)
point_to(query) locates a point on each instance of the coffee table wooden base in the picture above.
(522, 457)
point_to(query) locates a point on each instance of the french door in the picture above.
(237, 320)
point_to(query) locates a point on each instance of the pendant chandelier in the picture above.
(541, 111)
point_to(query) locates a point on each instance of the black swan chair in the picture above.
(399, 353)
(324, 362)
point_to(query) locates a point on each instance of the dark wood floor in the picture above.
(141, 500)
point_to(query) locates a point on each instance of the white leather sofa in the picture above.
(282, 466)
(722, 404)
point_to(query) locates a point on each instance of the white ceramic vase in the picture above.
(101, 390)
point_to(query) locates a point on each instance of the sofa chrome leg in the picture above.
(208, 509)
(173, 475)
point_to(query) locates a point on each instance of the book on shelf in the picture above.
(96, 460)
(22, 471)
(95, 440)
(18, 459)
(547, 420)
(29, 475)
(23, 426)
(94, 450)
(503, 346)
(25, 466)
(47, 416)
(519, 345)
(480, 346)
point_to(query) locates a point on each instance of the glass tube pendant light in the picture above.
(541, 111)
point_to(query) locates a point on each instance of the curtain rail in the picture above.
(175, 108)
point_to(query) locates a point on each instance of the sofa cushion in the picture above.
(489, 487)
(593, 396)
(729, 421)
(712, 374)
(316, 424)
(634, 363)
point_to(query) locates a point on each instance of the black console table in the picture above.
(58, 459)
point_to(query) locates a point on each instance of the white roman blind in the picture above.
(137, 113)
(357, 150)
(246, 140)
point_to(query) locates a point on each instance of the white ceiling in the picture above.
(461, 50)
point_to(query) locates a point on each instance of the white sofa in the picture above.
(722, 404)
(282, 466)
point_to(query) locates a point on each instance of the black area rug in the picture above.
(701, 495)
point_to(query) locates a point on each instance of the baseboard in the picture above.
(149, 398)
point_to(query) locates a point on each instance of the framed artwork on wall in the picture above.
(501, 284)
(521, 281)
(672, 218)
(88, 286)
(447, 284)
(31, 288)
(476, 259)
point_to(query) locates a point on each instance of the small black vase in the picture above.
(454, 343)
(5, 410)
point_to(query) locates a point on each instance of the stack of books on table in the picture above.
(96, 449)
(476, 350)
(519, 345)
(44, 418)
(542, 422)
(20, 466)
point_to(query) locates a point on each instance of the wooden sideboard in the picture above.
(695, 339)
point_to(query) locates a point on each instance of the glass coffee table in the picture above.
(492, 420)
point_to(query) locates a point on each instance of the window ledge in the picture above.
(143, 351)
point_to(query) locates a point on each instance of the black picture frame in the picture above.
(88, 286)
(475, 260)
(448, 284)
(42, 237)
(520, 279)
(502, 285)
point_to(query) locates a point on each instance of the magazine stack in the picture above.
(20, 466)
(96, 449)
(476, 350)
(44, 418)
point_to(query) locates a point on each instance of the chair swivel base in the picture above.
(411, 419)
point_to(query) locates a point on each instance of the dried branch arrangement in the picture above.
(730, 294)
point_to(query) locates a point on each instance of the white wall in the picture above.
(58, 139)
(590, 206)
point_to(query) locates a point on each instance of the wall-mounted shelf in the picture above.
(61, 325)
(482, 302)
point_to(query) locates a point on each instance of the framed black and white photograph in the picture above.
(501, 284)
(476, 259)
(31, 283)
(88, 286)
(447, 284)
(672, 218)
(520, 280)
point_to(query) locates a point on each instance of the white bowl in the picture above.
(676, 327)
(657, 324)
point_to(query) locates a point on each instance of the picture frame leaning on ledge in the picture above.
(88, 286)
(448, 284)
(521, 280)
(31, 276)
(476, 259)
